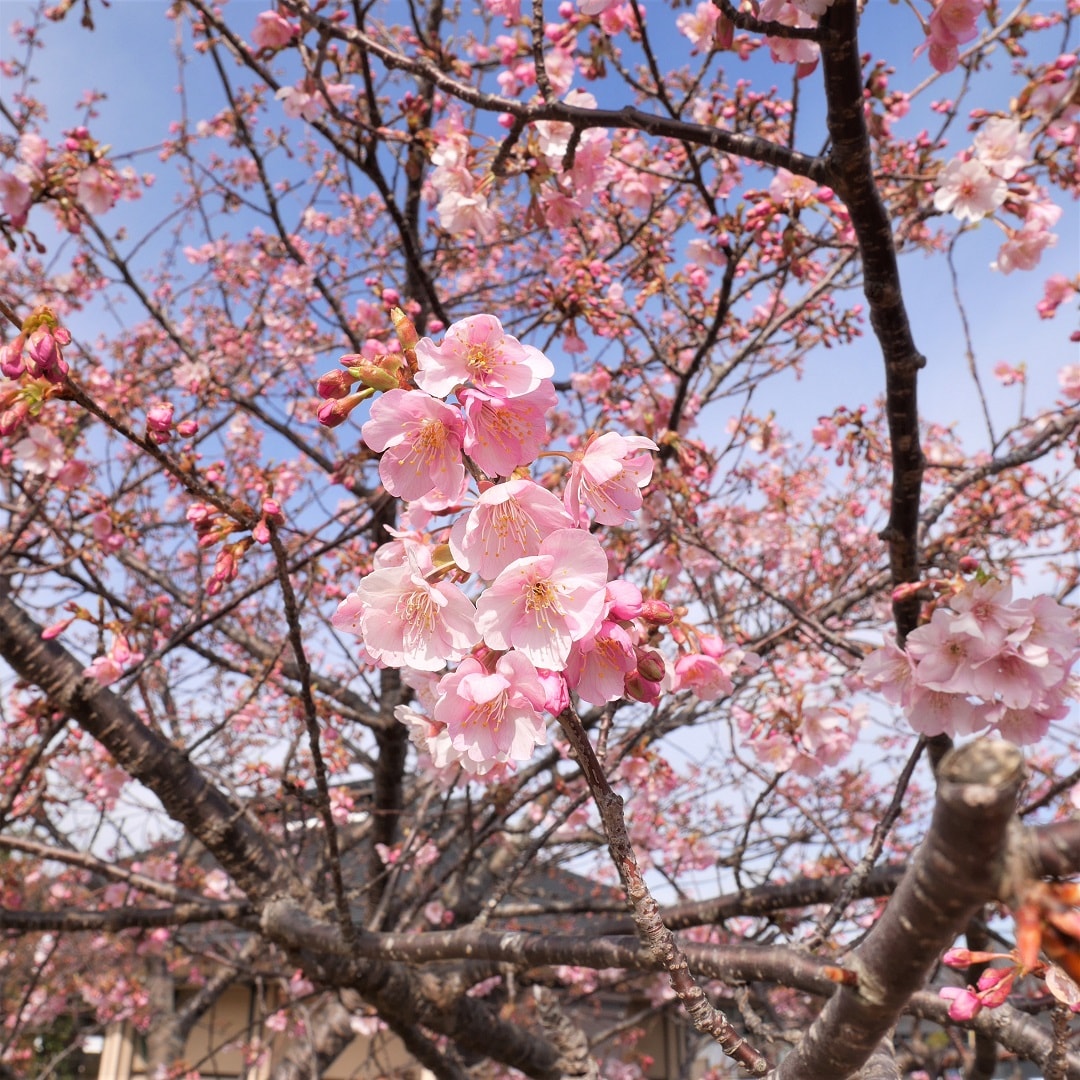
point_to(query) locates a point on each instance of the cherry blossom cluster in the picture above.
(76, 168)
(983, 661)
(544, 618)
(34, 363)
(952, 23)
(989, 177)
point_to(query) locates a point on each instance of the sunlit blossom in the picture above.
(543, 603)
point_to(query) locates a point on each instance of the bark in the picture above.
(958, 868)
(851, 169)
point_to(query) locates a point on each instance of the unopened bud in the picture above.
(335, 384)
(650, 664)
(403, 327)
(641, 689)
(336, 411)
(658, 612)
(379, 375)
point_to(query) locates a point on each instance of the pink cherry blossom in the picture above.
(624, 599)
(273, 30)
(41, 453)
(1002, 147)
(1069, 381)
(543, 603)
(491, 716)
(405, 619)
(599, 664)
(477, 350)
(97, 192)
(159, 422)
(945, 654)
(1024, 248)
(958, 19)
(502, 433)
(33, 150)
(509, 521)
(704, 676)
(1056, 290)
(107, 669)
(607, 478)
(933, 712)
(420, 439)
(969, 190)
(15, 197)
(461, 211)
(700, 25)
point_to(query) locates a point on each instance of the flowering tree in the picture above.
(581, 584)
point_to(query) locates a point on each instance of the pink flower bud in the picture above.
(964, 1005)
(187, 428)
(56, 629)
(658, 612)
(641, 689)
(995, 985)
(650, 664)
(11, 357)
(957, 958)
(13, 418)
(159, 420)
(335, 384)
(336, 411)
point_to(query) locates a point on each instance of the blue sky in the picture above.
(132, 55)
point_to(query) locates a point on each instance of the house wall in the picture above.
(213, 1047)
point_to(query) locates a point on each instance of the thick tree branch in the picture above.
(958, 868)
(850, 165)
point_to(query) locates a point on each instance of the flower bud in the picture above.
(650, 664)
(377, 376)
(641, 689)
(11, 357)
(335, 384)
(403, 327)
(336, 411)
(658, 612)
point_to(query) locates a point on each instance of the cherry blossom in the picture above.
(404, 618)
(503, 433)
(968, 190)
(1002, 147)
(479, 352)
(1024, 248)
(541, 604)
(273, 30)
(983, 660)
(599, 664)
(420, 439)
(607, 477)
(15, 197)
(40, 453)
(493, 715)
(97, 192)
(508, 522)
